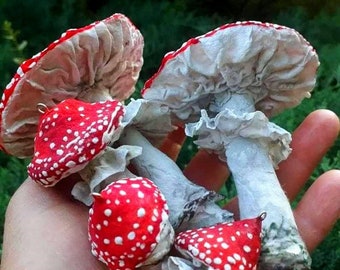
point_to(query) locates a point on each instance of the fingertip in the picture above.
(319, 209)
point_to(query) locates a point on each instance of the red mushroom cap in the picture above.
(70, 135)
(224, 246)
(94, 63)
(126, 221)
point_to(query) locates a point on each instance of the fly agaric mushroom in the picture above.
(222, 85)
(70, 135)
(97, 62)
(225, 246)
(129, 225)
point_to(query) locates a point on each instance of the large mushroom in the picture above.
(129, 224)
(97, 62)
(223, 86)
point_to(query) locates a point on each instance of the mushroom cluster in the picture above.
(71, 118)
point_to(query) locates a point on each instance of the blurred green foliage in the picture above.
(29, 26)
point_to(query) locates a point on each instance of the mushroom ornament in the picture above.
(223, 85)
(97, 62)
(129, 225)
(225, 246)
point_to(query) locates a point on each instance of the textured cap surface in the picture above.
(97, 62)
(70, 135)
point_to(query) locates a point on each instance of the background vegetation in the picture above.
(29, 26)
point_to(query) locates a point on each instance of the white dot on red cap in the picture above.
(135, 185)
(224, 245)
(233, 238)
(122, 192)
(140, 194)
(131, 235)
(119, 219)
(118, 240)
(208, 260)
(52, 145)
(237, 256)
(150, 228)
(135, 225)
(105, 223)
(227, 267)
(106, 241)
(141, 212)
(231, 260)
(69, 131)
(246, 248)
(107, 212)
(117, 202)
(241, 267)
(98, 227)
(95, 140)
(250, 236)
(81, 109)
(217, 260)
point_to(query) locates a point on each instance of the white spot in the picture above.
(141, 212)
(81, 109)
(107, 212)
(60, 152)
(150, 228)
(140, 194)
(131, 235)
(70, 164)
(246, 248)
(217, 260)
(95, 140)
(122, 192)
(52, 145)
(106, 241)
(118, 240)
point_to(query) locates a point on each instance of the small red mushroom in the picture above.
(225, 246)
(70, 135)
(129, 225)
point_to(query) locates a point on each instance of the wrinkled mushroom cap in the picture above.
(274, 64)
(97, 62)
(72, 134)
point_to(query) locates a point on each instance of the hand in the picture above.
(46, 229)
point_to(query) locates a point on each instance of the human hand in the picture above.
(46, 229)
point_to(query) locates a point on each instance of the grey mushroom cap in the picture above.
(273, 64)
(94, 63)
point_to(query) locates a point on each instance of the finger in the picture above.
(207, 170)
(311, 141)
(172, 144)
(319, 209)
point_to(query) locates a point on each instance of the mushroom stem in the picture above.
(250, 164)
(187, 202)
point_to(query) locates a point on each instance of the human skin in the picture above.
(47, 229)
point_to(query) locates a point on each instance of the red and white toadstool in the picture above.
(129, 225)
(223, 85)
(72, 134)
(97, 62)
(225, 246)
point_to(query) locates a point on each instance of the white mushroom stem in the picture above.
(251, 164)
(190, 205)
(259, 190)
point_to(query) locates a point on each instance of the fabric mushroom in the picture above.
(97, 62)
(128, 224)
(225, 246)
(70, 135)
(223, 85)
